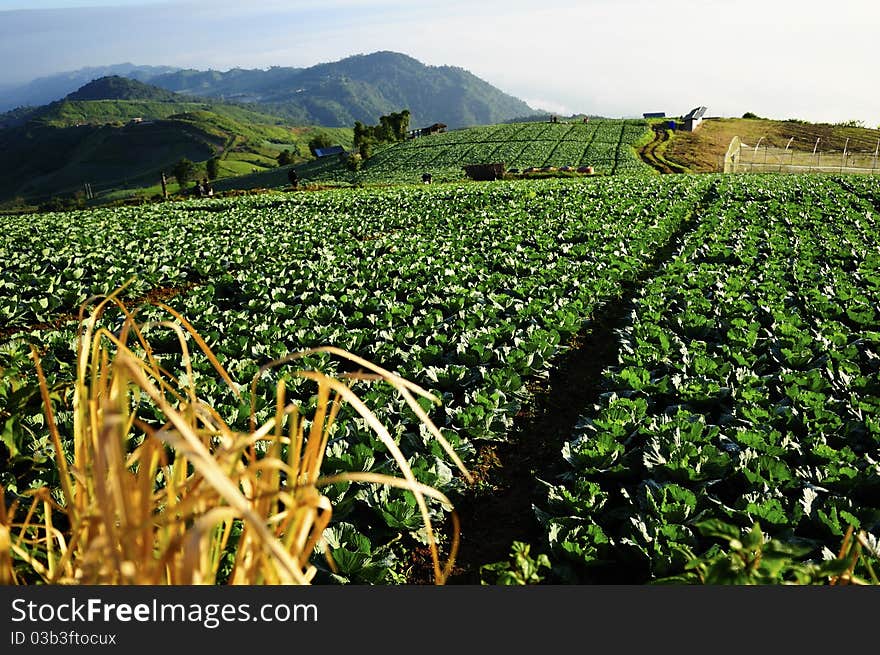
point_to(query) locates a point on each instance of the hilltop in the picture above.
(44, 90)
(115, 87)
(358, 88)
(115, 99)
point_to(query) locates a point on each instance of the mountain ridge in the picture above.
(360, 87)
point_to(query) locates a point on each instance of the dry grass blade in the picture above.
(404, 387)
(163, 511)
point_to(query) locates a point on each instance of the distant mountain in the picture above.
(358, 88)
(54, 87)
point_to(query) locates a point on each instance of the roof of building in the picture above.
(696, 114)
(332, 150)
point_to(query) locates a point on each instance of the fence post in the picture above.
(791, 158)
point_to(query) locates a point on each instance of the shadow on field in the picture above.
(501, 510)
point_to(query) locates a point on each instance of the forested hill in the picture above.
(116, 87)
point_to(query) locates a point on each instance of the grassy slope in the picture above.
(703, 151)
(53, 156)
(41, 162)
(67, 113)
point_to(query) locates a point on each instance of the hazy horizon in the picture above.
(782, 59)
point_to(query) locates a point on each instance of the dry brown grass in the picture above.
(157, 504)
(703, 151)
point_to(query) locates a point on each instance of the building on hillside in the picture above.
(654, 114)
(693, 119)
(329, 152)
(436, 128)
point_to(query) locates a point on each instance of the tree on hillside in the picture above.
(395, 125)
(391, 128)
(363, 139)
(213, 168)
(285, 157)
(183, 171)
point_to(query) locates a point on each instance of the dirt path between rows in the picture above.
(648, 153)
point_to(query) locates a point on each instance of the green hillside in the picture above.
(70, 112)
(39, 162)
(117, 134)
(56, 155)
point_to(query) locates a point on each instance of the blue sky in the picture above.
(55, 4)
(780, 58)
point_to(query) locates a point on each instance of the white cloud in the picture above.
(549, 105)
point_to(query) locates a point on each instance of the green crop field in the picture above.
(604, 144)
(722, 332)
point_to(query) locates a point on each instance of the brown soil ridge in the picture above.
(648, 152)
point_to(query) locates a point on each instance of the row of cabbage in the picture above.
(747, 389)
(468, 290)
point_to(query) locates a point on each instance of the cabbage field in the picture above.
(743, 386)
(604, 144)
